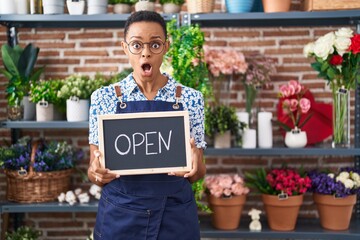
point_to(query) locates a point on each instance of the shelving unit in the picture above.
(306, 228)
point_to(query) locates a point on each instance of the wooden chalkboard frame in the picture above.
(144, 115)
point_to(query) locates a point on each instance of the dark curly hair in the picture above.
(145, 16)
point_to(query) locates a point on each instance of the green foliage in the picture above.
(257, 180)
(46, 90)
(186, 56)
(19, 69)
(198, 189)
(130, 2)
(177, 2)
(78, 86)
(221, 118)
(23, 233)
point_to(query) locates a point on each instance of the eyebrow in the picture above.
(138, 37)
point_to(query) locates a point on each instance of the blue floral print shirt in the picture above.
(104, 101)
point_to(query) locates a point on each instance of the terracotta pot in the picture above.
(121, 8)
(276, 5)
(282, 213)
(334, 213)
(226, 212)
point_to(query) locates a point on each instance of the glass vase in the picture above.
(341, 118)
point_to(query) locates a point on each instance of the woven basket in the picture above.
(36, 186)
(200, 6)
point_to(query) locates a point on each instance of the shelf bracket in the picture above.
(12, 36)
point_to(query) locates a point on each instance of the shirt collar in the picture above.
(130, 85)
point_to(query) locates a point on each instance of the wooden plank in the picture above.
(321, 5)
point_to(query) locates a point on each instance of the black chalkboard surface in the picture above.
(145, 143)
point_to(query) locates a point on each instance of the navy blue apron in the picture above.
(147, 207)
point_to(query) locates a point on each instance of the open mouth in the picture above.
(146, 67)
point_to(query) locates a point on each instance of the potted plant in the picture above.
(23, 232)
(172, 6)
(276, 5)
(75, 7)
(28, 164)
(145, 5)
(334, 193)
(226, 196)
(97, 6)
(53, 6)
(19, 70)
(76, 91)
(44, 94)
(282, 192)
(221, 123)
(294, 113)
(122, 6)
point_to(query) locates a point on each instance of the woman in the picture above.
(157, 206)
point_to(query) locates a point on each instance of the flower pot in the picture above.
(53, 6)
(29, 108)
(22, 7)
(200, 6)
(144, 5)
(239, 6)
(295, 138)
(97, 6)
(265, 136)
(328, 207)
(44, 111)
(276, 5)
(171, 8)
(121, 8)
(77, 110)
(222, 140)
(226, 212)
(75, 7)
(282, 213)
(249, 138)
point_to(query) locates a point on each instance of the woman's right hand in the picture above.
(96, 173)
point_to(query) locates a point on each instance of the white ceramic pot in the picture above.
(295, 138)
(29, 109)
(265, 135)
(249, 138)
(44, 111)
(171, 8)
(121, 8)
(222, 140)
(77, 110)
(53, 6)
(97, 6)
(7, 7)
(144, 5)
(22, 6)
(75, 7)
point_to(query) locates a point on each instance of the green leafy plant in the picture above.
(177, 2)
(130, 2)
(19, 69)
(186, 56)
(23, 233)
(78, 86)
(199, 189)
(47, 90)
(221, 118)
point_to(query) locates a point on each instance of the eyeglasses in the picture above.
(136, 47)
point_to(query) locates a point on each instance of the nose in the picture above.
(146, 51)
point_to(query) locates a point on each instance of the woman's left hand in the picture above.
(198, 166)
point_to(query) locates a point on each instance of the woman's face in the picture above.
(145, 59)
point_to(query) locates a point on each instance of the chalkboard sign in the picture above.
(145, 143)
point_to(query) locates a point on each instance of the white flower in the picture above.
(348, 183)
(84, 197)
(78, 191)
(309, 49)
(331, 175)
(342, 44)
(70, 197)
(344, 32)
(324, 46)
(356, 177)
(94, 189)
(61, 197)
(344, 175)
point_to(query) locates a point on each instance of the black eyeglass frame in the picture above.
(143, 45)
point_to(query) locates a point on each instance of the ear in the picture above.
(167, 46)
(125, 48)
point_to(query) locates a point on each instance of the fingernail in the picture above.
(117, 176)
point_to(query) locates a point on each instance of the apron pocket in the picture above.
(121, 221)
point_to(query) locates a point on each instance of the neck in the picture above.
(150, 87)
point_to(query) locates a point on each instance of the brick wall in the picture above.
(87, 51)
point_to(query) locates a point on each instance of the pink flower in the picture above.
(305, 105)
(225, 185)
(293, 105)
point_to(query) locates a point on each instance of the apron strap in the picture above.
(177, 96)
(119, 96)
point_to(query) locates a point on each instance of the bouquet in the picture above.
(340, 184)
(225, 185)
(225, 61)
(294, 105)
(336, 57)
(278, 181)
